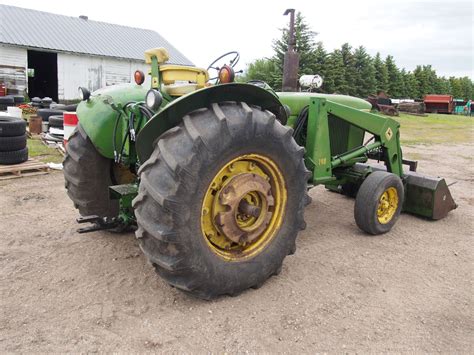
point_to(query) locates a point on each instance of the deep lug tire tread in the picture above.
(14, 156)
(11, 127)
(56, 121)
(168, 205)
(8, 144)
(367, 199)
(87, 177)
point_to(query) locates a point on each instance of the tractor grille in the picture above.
(338, 134)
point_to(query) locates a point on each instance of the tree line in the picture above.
(352, 71)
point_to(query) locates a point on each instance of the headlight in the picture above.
(84, 94)
(153, 99)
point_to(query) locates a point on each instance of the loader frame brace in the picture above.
(318, 145)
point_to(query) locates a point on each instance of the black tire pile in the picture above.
(56, 128)
(54, 116)
(10, 100)
(44, 102)
(13, 149)
(48, 104)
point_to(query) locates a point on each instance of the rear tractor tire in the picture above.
(379, 202)
(221, 200)
(88, 176)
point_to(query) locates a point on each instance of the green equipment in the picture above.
(213, 175)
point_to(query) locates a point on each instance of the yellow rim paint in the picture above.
(217, 241)
(388, 204)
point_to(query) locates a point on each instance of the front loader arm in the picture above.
(318, 143)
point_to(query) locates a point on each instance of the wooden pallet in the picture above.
(28, 168)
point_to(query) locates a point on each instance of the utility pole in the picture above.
(291, 61)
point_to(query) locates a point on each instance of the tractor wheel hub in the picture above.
(247, 199)
(243, 207)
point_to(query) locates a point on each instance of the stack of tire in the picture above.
(10, 100)
(44, 102)
(56, 127)
(36, 102)
(54, 117)
(45, 113)
(13, 149)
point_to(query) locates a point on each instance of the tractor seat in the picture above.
(180, 80)
(177, 80)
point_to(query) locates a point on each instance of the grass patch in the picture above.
(436, 129)
(36, 149)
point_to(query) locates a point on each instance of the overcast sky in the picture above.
(414, 32)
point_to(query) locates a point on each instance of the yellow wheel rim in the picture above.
(243, 207)
(388, 205)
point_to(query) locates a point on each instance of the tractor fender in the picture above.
(97, 117)
(172, 114)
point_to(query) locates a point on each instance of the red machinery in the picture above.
(439, 103)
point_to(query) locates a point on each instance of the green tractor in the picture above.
(214, 177)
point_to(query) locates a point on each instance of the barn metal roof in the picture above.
(44, 30)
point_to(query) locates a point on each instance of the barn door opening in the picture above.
(43, 74)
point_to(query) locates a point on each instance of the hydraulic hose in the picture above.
(301, 126)
(114, 135)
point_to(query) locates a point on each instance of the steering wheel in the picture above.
(232, 63)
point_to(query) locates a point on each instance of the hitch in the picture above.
(98, 223)
(125, 193)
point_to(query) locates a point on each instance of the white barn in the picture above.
(52, 55)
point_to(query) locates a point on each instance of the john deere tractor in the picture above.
(213, 175)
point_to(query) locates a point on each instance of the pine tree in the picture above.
(455, 84)
(411, 84)
(381, 74)
(261, 69)
(432, 78)
(403, 81)
(466, 88)
(394, 86)
(354, 72)
(335, 74)
(350, 74)
(320, 59)
(365, 82)
(422, 77)
(305, 47)
(442, 85)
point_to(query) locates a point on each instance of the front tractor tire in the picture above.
(379, 202)
(221, 200)
(88, 176)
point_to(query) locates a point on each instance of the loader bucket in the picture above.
(427, 196)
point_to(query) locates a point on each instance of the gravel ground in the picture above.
(407, 291)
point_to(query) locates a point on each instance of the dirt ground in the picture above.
(343, 291)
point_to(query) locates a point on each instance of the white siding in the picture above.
(117, 72)
(93, 72)
(13, 63)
